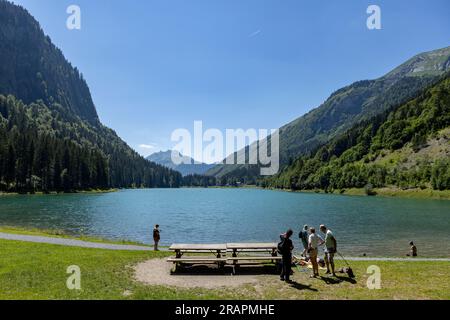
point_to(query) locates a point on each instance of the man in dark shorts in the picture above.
(156, 236)
(286, 252)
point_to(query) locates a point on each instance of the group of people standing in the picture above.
(311, 242)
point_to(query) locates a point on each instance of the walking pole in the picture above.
(343, 258)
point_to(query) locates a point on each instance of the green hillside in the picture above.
(50, 136)
(407, 146)
(346, 107)
(33, 68)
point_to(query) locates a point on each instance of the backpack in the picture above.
(280, 247)
(301, 235)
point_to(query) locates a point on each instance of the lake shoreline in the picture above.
(251, 215)
(389, 192)
(40, 193)
(59, 234)
(423, 194)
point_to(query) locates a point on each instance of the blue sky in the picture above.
(155, 66)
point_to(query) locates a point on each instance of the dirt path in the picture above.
(157, 272)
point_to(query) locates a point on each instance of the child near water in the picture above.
(413, 250)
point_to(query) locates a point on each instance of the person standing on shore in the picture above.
(303, 235)
(156, 236)
(330, 248)
(286, 247)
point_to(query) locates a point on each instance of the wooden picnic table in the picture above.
(252, 247)
(180, 249)
(252, 254)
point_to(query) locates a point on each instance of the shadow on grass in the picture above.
(209, 270)
(299, 286)
(337, 280)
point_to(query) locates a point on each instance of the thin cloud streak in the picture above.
(254, 34)
(147, 146)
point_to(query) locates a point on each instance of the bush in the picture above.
(368, 189)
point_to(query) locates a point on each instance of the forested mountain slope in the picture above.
(33, 68)
(346, 107)
(407, 146)
(50, 136)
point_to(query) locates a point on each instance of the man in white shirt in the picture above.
(330, 248)
(314, 241)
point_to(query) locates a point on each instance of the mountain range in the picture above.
(188, 167)
(407, 146)
(391, 130)
(345, 108)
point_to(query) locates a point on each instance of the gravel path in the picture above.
(98, 245)
(72, 242)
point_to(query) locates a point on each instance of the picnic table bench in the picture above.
(218, 250)
(180, 249)
(253, 253)
(237, 248)
(225, 254)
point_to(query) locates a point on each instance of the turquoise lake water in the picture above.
(376, 226)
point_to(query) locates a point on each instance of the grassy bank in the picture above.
(386, 192)
(56, 233)
(408, 193)
(93, 191)
(38, 271)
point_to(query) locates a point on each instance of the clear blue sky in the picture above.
(155, 66)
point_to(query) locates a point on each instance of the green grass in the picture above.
(38, 271)
(396, 192)
(388, 192)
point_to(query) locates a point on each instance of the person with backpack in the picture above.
(285, 248)
(156, 236)
(303, 235)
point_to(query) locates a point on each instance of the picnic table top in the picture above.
(206, 247)
(237, 246)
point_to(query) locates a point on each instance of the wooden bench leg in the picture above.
(274, 252)
(174, 267)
